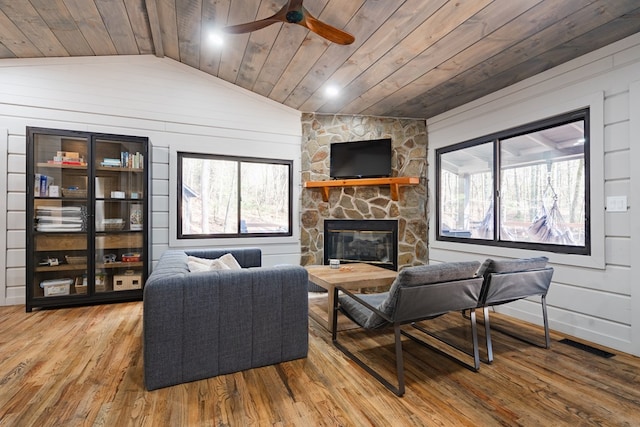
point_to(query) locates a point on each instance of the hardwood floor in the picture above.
(83, 366)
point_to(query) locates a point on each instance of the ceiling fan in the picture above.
(293, 12)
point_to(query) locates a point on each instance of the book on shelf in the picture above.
(109, 162)
(67, 158)
(132, 160)
(73, 154)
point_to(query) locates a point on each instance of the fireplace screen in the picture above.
(370, 241)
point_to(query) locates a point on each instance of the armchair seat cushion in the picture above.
(361, 314)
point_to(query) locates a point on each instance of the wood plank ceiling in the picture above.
(411, 58)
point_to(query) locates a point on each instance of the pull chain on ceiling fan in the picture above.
(293, 12)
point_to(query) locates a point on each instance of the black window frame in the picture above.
(495, 139)
(239, 160)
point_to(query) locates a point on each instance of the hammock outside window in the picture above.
(549, 226)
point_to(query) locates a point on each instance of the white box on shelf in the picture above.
(55, 287)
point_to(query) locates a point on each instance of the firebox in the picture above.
(374, 241)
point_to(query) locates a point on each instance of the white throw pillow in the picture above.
(230, 261)
(203, 261)
(225, 262)
(217, 264)
(197, 266)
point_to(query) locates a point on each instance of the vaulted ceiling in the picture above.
(411, 58)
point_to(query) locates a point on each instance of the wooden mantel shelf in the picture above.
(393, 183)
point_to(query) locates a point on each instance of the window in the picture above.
(225, 196)
(524, 188)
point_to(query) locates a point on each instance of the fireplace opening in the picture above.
(372, 241)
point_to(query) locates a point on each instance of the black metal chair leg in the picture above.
(545, 319)
(399, 360)
(474, 339)
(487, 333)
(397, 390)
(547, 337)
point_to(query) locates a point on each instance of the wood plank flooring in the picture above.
(83, 366)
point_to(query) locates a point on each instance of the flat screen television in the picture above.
(360, 159)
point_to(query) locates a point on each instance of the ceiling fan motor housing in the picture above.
(294, 16)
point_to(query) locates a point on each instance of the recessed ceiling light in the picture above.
(332, 91)
(216, 38)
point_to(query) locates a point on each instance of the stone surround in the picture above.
(409, 145)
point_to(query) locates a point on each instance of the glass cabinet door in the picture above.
(119, 214)
(60, 216)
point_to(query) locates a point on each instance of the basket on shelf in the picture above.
(74, 192)
(76, 259)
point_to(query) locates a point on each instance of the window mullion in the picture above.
(497, 179)
(239, 201)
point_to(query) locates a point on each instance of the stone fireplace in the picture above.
(371, 241)
(364, 203)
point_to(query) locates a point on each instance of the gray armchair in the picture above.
(418, 293)
(506, 281)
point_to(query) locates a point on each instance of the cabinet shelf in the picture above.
(61, 267)
(393, 183)
(60, 166)
(118, 169)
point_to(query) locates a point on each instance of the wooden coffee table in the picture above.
(349, 276)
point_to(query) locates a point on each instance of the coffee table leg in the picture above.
(330, 303)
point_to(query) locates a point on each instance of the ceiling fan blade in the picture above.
(250, 26)
(325, 30)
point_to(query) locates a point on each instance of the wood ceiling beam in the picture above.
(154, 24)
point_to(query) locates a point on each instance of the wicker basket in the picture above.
(76, 259)
(75, 193)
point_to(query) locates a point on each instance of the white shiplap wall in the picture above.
(177, 107)
(592, 297)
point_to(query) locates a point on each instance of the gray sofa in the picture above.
(198, 325)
